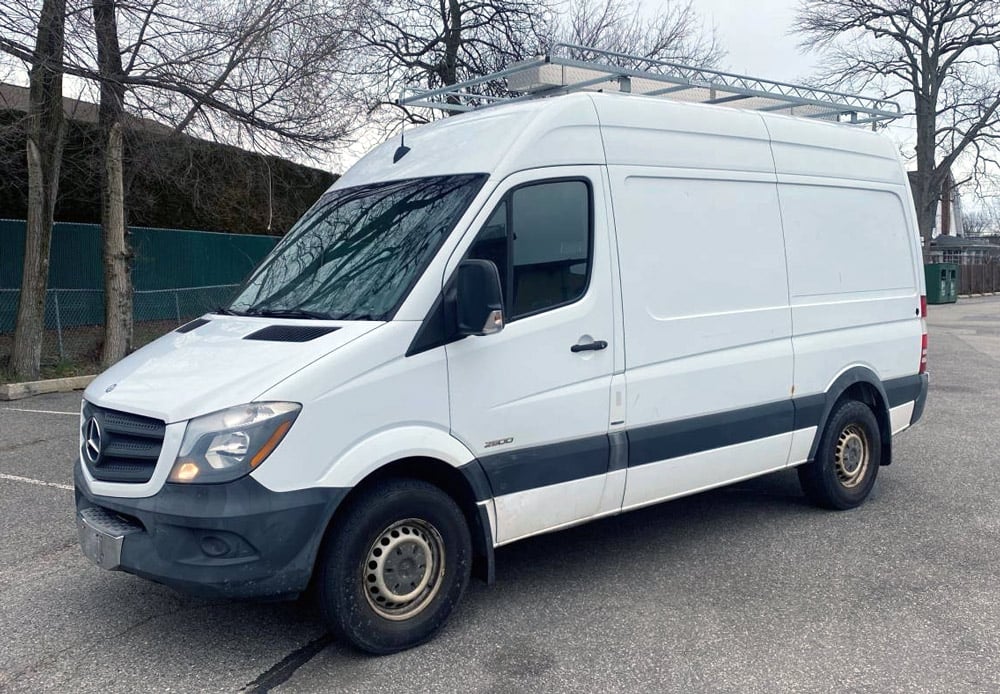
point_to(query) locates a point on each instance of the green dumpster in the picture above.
(942, 283)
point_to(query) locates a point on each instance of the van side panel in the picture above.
(854, 261)
(708, 328)
(854, 289)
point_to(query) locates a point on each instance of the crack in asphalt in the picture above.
(281, 672)
(24, 444)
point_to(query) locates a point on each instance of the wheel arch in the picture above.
(862, 384)
(466, 484)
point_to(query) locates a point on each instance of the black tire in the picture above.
(836, 480)
(417, 522)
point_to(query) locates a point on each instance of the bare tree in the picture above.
(257, 73)
(983, 220)
(46, 135)
(398, 43)
(414, 42)
(944, 55)
(675, 32)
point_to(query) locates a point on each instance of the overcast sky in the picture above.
(755, 35)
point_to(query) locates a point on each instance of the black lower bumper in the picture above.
(234, 540)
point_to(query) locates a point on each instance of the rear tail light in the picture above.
(923, 337)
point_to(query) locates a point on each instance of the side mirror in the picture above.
(478, 298)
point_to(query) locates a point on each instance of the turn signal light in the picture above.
(186, 472)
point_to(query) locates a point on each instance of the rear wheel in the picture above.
(847, 459)
(394, 566)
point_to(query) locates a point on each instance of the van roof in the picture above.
(567, 130)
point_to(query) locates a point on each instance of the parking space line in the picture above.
(40, 483)
(20, 409)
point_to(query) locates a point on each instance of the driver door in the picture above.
(532, 401)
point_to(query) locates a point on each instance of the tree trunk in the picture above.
(44, 148)
(452, 43)
(448, 69)
(927, 190)
(926, 202)
(117, 254)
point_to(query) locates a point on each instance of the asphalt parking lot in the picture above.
(741, 589)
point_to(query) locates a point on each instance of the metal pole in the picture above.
(177, 307)
(55, 297)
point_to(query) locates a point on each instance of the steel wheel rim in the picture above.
(403, 569)
(852, 456)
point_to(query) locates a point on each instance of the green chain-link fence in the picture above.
(177, 276)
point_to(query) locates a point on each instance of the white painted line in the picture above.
(40, 483)
(21, 409)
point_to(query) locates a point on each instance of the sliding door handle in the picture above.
(589, 346)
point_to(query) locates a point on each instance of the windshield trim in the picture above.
(476, 183)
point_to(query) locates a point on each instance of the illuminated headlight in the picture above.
(226, 445)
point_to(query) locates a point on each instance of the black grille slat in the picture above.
(130, 445)
(124, 471)
(132, 425)
(128, 448)
(291, 333)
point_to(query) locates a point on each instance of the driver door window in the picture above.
(540, 238)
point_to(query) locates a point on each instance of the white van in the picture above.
(529, 317)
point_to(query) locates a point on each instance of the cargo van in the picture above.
(522, 318)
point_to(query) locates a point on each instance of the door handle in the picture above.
(589, 346)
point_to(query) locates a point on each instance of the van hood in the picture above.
(213, 366)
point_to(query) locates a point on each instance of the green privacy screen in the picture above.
(164, 259)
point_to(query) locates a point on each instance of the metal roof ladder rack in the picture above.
(569, 68)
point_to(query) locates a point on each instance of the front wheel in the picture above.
(847, 459)
(394, 566)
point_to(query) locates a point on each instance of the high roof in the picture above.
(588, 128)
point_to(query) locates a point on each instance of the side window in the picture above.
(492, 244)
(539, 237)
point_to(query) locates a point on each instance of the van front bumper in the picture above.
(234, 540)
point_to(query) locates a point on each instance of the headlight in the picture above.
(223, 446)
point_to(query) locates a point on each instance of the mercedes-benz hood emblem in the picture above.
(92, 441)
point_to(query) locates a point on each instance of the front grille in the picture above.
(129, 445)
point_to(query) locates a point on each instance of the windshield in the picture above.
(357, 252)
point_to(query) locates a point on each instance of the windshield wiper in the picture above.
(287, 313)
(357, 316)
(227, 311)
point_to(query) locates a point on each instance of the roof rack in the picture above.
(570, 68)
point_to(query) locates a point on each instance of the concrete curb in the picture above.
(16, 391)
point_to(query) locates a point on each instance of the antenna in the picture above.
(402, 150)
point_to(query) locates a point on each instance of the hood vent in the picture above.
(291, 333)
(193, 325)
